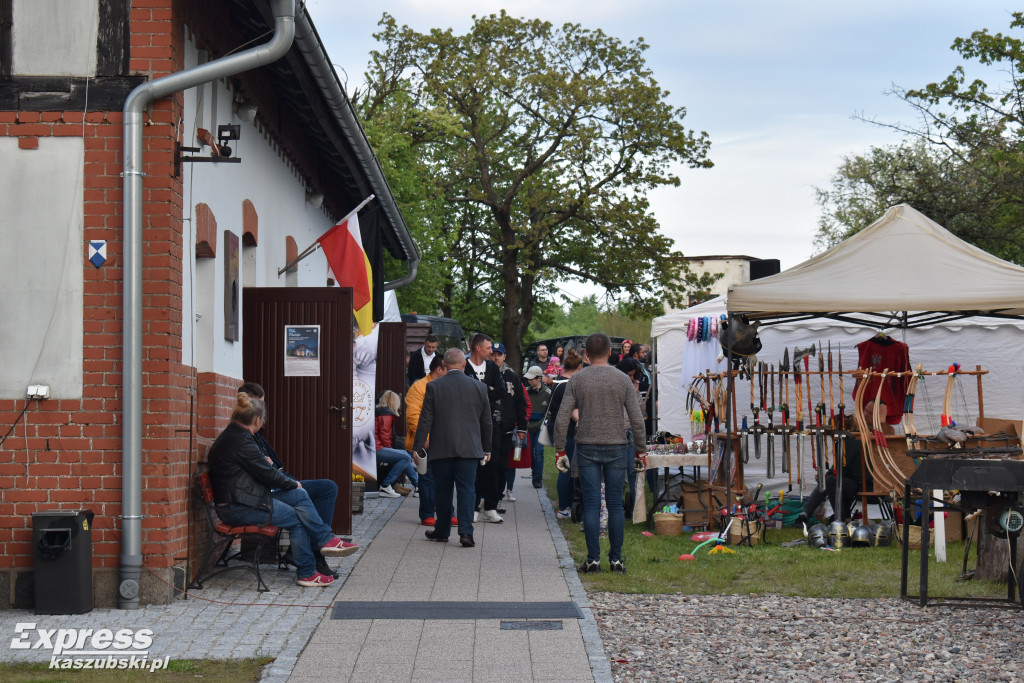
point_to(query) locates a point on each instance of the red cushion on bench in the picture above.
(229, 530)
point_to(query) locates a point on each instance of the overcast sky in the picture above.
(774, 83)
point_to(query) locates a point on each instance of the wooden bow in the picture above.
(908, 407)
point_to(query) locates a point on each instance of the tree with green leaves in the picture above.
(539, 144)
(962, 163)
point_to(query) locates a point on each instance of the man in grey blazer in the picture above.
(457, 416)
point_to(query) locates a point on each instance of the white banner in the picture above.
(364, 382)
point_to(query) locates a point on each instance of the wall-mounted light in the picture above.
(246, 111)
(226, 132)
(315, 199)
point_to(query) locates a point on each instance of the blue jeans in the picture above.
(401, 463)
(609, 461)
(301, 520)
(324, 495)
(536, 456)
(510, 479)
(427, 492)
(564, 485)
(458, 474)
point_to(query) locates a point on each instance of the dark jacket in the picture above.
(239, 470)
(415, 370)
(553, 407)
(457, 416)
(495, 387)
(383, 426)
(513, 405)
(539, 399)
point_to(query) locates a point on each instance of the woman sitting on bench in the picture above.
(242, 478)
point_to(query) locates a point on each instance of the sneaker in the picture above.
(617, 566)
(388, 492)
(402, 490)
(325, 569)
(476, 517)
(338, 548)
(590, 567)
(429, 521)
(416, 492)
(491, 516)
(318, 580)
(509, 497)
(564, 514)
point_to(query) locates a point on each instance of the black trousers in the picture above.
(490, 478)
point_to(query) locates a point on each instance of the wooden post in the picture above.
(981, 399)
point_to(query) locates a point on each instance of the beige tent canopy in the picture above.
(904, 263)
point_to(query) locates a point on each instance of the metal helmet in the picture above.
(883, 532)
(838, 535)
(861, 537)
(817, 536)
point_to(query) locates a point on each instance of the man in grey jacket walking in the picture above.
(457, 416)
(608, 407)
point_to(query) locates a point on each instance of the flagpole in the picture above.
(316, 245)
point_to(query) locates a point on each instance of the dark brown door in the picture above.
(391, 370)
(297, 343)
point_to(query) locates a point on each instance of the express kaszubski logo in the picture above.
(86, 648)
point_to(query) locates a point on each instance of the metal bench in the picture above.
(221, 538)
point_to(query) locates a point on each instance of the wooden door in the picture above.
(297, 343)
(391, 370)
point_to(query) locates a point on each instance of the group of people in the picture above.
(467, 410)
(463, 415)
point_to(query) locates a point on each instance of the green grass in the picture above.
(178, 671)
(654, 567)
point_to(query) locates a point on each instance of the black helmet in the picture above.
(861, 537)
(817, 537)
(838, 535)
(883, 532)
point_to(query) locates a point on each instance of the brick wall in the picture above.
(67, 453)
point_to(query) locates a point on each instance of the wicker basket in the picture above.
(915, 536)
(668, 523)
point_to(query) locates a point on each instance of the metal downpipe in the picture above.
(132, 382)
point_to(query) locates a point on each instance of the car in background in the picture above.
(447, 330)
(576, 342)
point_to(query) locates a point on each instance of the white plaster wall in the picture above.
(54, 37)
(41, 279)
(734, 271)
(279, 196)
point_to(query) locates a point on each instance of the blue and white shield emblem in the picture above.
(97, 252)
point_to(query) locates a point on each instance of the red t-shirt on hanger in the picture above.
(884, 353)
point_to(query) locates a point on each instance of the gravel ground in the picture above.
(757, 637)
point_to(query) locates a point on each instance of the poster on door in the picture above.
(301, 350)
(364, 381)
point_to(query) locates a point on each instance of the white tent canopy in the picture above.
(903, 259)
(932, 282)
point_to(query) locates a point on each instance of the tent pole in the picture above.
(726, 454)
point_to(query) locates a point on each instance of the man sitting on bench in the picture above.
(242, 477)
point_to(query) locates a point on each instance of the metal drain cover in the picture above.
(531, 626)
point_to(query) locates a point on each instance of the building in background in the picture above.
(734, 269)
(238, 175)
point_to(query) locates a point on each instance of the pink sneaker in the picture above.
(338, 548)
(318, 580)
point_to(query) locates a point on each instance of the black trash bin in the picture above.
(62, 559)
